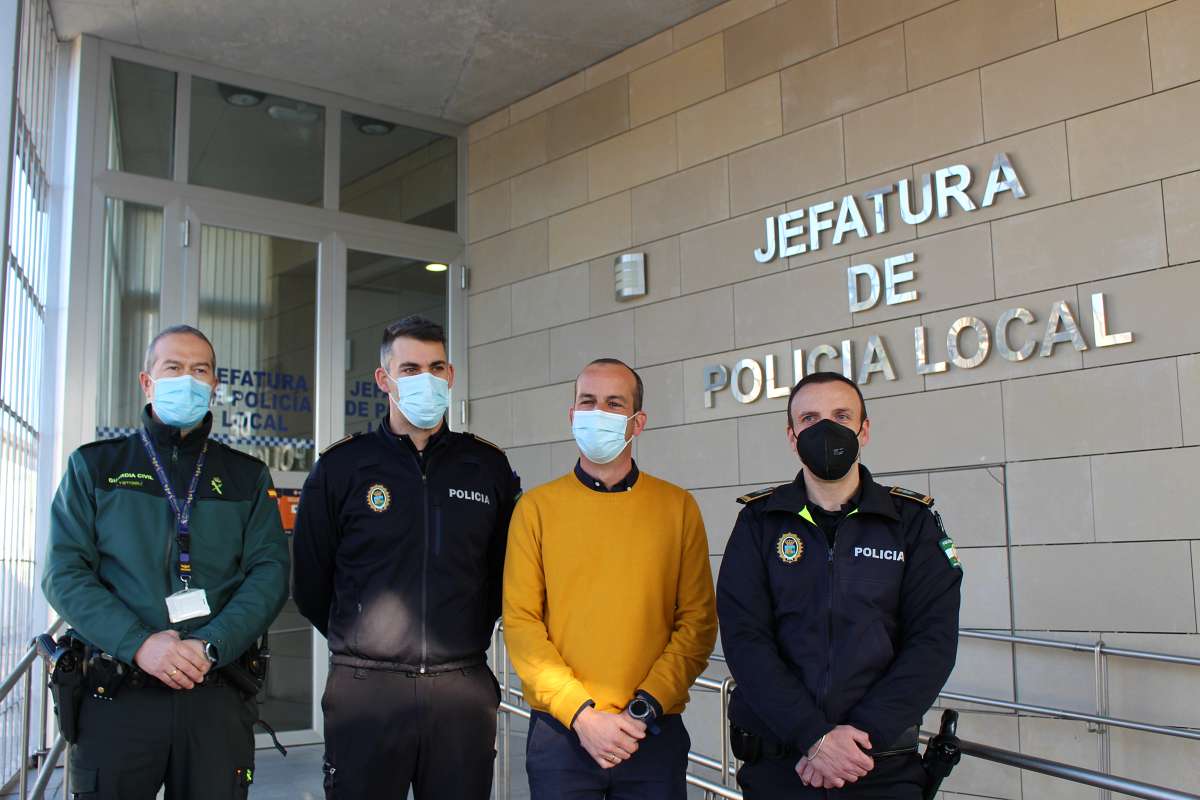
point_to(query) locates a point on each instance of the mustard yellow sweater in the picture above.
(606, 594)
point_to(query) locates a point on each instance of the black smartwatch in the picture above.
(210, 650)
(641, 710)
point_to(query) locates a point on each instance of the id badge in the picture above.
(187, 604)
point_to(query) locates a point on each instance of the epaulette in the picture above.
(482, 440)
(752, 496)
(908, 494)
(348, 437)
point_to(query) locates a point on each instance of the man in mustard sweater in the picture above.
(608, 609)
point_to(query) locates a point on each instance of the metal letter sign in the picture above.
(968, 340)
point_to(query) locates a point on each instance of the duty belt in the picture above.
(356, 662)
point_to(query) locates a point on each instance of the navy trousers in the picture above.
(560, 769)
(899, 777)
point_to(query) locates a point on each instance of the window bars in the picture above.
(24, 280)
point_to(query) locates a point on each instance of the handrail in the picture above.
(1072, 773)
(1059, 770)
(26, 661)
(1054, 769)
(47, 770)
(1058, 644)
(1064, 713)
(23, 673)
(1060, 713)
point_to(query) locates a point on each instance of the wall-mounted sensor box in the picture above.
(629, 272)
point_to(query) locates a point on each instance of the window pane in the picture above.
(133, 251)
(379, 291)
(141, 128)
(258, 305)
(398, 173)
(255, 143)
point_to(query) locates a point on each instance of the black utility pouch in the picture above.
(747, 747)
(105, 675)
(65, 659)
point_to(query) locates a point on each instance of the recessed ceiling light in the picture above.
(239, 96)
(436, 267)
(369, 126)
(299, 113)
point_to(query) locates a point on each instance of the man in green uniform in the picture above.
(168, 560)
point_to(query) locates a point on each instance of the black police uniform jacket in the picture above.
(861, 633)
(399, 554)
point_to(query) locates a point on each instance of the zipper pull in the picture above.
(831, 555)
(422, 669)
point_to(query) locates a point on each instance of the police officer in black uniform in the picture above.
(838, 600)
(399, 553)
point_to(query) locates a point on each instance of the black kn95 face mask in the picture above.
(828, 449)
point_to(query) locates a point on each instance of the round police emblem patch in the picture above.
(790, 548)
(378, 498)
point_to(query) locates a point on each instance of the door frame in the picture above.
(335, 232)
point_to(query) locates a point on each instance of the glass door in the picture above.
(257, 300)
(381, 289)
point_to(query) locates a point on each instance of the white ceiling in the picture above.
(455, 59)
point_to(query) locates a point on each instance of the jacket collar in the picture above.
(404, 441)
(165, 435)
(874, 499)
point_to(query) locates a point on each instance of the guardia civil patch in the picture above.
(951, 552)
(790, 548)
(378, 498)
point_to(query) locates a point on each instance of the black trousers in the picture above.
(198, 742)
(899, 777)
(387, 731)
(560, 769)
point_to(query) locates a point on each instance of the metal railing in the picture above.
(726, 767)
(47, 755)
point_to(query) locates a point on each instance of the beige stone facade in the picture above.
(1067, 480)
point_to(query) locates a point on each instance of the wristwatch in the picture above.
(641, 710)
(210, 650)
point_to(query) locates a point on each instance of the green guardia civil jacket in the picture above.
(112, 556)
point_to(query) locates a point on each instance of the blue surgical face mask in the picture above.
(182, 401)
(423, 399)
(600, 435)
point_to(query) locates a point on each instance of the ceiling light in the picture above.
(369, 126)
(239, 96)
(298, 113)
(436, 267)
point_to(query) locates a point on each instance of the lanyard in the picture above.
(182, 513)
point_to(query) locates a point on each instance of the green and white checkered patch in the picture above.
(951, 552)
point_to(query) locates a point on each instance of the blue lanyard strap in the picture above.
(182, 512)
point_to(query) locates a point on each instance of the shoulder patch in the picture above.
(746, 499)
(482, 440)
(908, 494)
(348, 437)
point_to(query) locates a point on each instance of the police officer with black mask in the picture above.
(399, 553)
(838, 600)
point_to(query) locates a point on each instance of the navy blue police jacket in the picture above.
(399, 554)
(862, 633)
